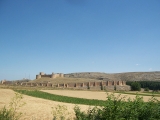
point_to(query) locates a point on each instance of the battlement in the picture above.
(53, 75)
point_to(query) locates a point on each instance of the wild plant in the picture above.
(11, 112)
(60, 112)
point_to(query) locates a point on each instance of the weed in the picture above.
(11, 113)
(60, 112)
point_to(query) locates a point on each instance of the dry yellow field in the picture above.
(92, 94)
(40, 109)
(35, 108)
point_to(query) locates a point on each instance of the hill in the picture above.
(96, 76)
(130, 76)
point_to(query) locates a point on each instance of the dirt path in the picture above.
(35, 108)
(91, 94)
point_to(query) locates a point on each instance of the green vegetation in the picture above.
(146, 89)
(135, 86)
(116, 108)
(60, 98)
(152, 85)
(11, 113)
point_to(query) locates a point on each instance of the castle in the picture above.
(93, 85)
(53, 75)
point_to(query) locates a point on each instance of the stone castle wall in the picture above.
(53, 75)
(102, 85)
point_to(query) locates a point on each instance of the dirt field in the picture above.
(91, 94)
(35, 108)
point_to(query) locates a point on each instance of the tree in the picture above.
(135, 86)
(146, 89)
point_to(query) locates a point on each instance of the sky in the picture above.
(67, 36)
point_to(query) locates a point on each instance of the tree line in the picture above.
(137, 85)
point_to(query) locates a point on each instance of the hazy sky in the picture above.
(78, 36)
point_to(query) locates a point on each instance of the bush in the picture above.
(5, 114)
(60, 112)
(117, 109)
(135, 86)
(146, 89)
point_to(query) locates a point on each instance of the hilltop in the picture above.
(128, 76)
(96, 76)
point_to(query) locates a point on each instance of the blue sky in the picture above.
(66, 36)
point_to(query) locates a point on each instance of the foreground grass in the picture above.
(59, 98)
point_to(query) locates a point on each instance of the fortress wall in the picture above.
(109, 87)
(104, 83)
(85, 83)
(41, 73)
(38, 76)
(53, 75)
(79, 85)
(109, 83)
(95, 88)
(91, 83)
(53, 85)
(28, 84)
(126, 87)
(71, 84)
(112, 82)
(95, 84)
(61, 75)
(49, 84)
(119, 85)
(44, 84)
(123, 82)
(46, 76)
(61, 85)
(98, 83)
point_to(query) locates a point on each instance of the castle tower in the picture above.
(61, 75)
(38, 76)
(41, 73)
(53, 76)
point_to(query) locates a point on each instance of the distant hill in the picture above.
(129, 76)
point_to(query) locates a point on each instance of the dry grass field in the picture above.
(92, 94)
(35, 108)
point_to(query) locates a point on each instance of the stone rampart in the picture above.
(102, 85)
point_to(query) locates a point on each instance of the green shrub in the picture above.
(118, 109)
(135, 86)
(5, 114)
(60, 112)
(146, 89)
